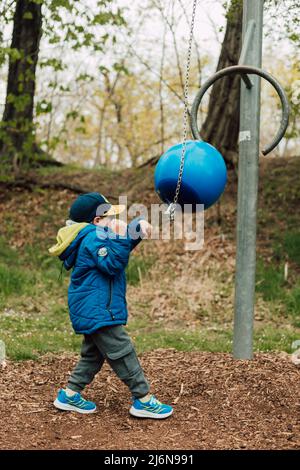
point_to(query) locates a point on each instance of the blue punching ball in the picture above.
(204, 174)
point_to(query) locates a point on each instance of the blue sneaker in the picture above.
(74, 403)
(151, 409)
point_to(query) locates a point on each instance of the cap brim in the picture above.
(115, 210)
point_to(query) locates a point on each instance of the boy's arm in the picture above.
(134, 232)
(110, 255)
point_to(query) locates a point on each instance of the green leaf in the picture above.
(80, 130)
(56, 64)
(120, 68)
(85, 77)
(43, 107)
(72, 115)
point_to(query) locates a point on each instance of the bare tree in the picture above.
(17, 137)
(109, 94)
(161, 101)
(221, 126)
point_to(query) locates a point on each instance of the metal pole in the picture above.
(247, 185)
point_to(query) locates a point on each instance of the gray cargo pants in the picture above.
(113, 344)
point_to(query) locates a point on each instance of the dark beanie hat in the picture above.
(86, 207)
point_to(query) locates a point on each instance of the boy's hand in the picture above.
(118, 226)
(146, 228)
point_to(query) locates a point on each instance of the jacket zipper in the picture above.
(110, 299)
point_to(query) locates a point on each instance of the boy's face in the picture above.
(104, 221)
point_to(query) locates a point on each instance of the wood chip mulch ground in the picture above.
(219, 404)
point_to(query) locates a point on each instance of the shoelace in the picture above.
(154, 401)
(74, 398)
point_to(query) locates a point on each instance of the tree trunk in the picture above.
(221, 126)
(17, 139)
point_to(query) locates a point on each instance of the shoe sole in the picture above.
(148, 414)
(66, 407)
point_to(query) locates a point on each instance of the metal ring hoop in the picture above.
(242, 70)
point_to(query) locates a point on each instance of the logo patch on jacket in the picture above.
(102, 251)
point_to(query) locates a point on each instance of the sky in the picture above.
(207, 12)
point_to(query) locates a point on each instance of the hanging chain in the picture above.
(172, 206)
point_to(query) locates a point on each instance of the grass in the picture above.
(270, 279)
(288, 246)
(278, 292)
(14, 278)
(28, 337)
(29, 274)
(138, 268)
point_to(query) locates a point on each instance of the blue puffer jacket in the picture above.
(97, 291)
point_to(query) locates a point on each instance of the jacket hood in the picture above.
(69, 239)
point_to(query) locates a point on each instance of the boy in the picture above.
(97, 247)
